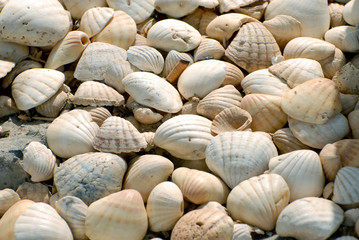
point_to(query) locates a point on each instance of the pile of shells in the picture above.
(183, 119)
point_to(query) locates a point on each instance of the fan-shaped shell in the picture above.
(98, 114)
(36, 192)
(234, 75)
(115, 72)
(237, 156)
(351, 216)
(146, 58)
(353, 122)
(8, 197)
(78, 7)
(19, 68)
(13, 52)
(176, 8)
(139, 10)
(346, 189)
(336, 14)
(200, 19)
(286, 142)
(350, 12)
(346, 78)
(343, 37)
(208, 49)
(95, 19)
(172, 59)
(242, 231)
(5, 67)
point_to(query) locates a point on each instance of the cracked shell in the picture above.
(173, 58)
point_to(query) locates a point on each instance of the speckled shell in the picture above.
(7, 106)
(139, 10)
(350, 12)
(119, 214)
(346, 78)
(5, 67)
(208, 49)
(286, 142)
(8, 197)
(237, 156)
(200, 19)
(309, 218)
(172, 58)
(176, 8)
(78, 7)
(35, 86)
(115, 72)
(98, 114)
(343, 37)
(95, 19)
(184, 136)
(353, 122)
(146, 172)
(36, 192)
(146, 58)
(265, 196)
(346, 189)
(336, 14)
(13, 52)
(71, 133)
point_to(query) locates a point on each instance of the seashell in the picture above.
(346, 191)
(68, 49)
(3, 3)
(346, 238)
(208, 3)
(339, 154)
(36, 192)
(298, 102)
(343, 37)
(213, 205)
(98, 114)
(208, 49)
(309, 218)
(297, 71)
(234, 75)
(336, 14)
(19, 18)
(203, 224)
(146, 115)
(115, 72)
(90, 176)
(286, 142)
(140, 40)
(266, 112)
(350, 12)
(120, 31)
(176, 8)
(149, 136)
(138, 10)
(172, 59)
(200, 19)
(95, 60)
(218, 100)
(13, 52)
(200, 187)
(164, 207)
(351, 216)
(151, 90)
(228, 5)
(119, 214)
(95, 19)
(147, 171)
(302, 170)
(7, 106)
(249, 50)
(39, 161)
(41, 221)
(184, 136)
(231, 119)
(328, 191)
(353, 123)
(265, 195)
(284, 28)
(118, 135)
(172, 34)
(142, 28)
(357, 228)
(318, 135)
(191, 164)
(237, 156)
(242, 231)
(346, 78)
(190, 107)
(71, 133)
(253, 8)
(54, 197)
(77, 8)
(262, 81)
(5, 67)
(73, 210)
(146, 58)
(8, 198)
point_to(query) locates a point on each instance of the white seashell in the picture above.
(95, 19)
(139, 10)
(346, 191)
(8, 197)
(13, 52)
(146, 58)
(36, 192)
(200, 18)
(149, 136)
(208, 3)
(234, 75)
(351, 216)
(286, 142)
(350, 12)
(208, 49)
(172, 59)
(176, 8)
(353, 122)
(3, 3)
(242, 231)
(98, 114)
(140, 40)
(146, 115)
(78, 7)
(19, 68)
(343, 37)
(115, 72)
(5, 67)
(336, 14)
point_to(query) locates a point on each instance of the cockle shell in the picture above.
(286, 142)
(184, 136)
(208, 49)
(237, 156)
(200, 19)
(95, 19)
(309, 218)
(346, 189)
(265, 196)
(36, 192)
(351, 216)
(139, 10)
(242, 231)
(172, 59)
(336, 14)
(13, 52)
(8, 197)
(121, 215)
(98, 114)
(234, 75)
(343, 37)
(7, 106)
(353, 122)
(78, 7)
(346, 78)
(350, 12)
(176, 8)
(146, 58)
(5, 67)
(115, 72)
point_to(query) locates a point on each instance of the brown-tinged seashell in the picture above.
(3, 3)
(346, 78)
(36, 192)
(98, 114)
(200, 19)
(146, 58)
(328, 191)
(119, 214)
(176, 8)
(234, 75)
(346, 189)
(357, 227)
(54, 197)
(78, 7)
(5, 67)
(351, 216)
(138, 10)
(142, 28)
(146, 115)
(115, 72)
(7, 106)
(266, 196)
(286, 142)
(173, 58)
(140, 40)
(149, 137)
(95, 19)
(190, 107)
(354, 123)
(343, 37)
(208, 49)
(350, 12)
(8, 197)
(336, 14)
(147, 171)
(13, 52)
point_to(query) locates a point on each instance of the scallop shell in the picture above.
(336, 14)
(7, 106)
(343, 37)
(36, 192)
(208, 49)
(200, 19)
(309, 218)
(38, 161)
(147, 171)
(353, 122)
(346, 78)
(172, 34)
(184, 136)
(346, 189)
(35, 86)
(8, 197)
(146, 58)
(138, 10)
(286, 142)
(115, 72)
(78, 7)
(350, 12)
(176, 8)
(95, 19)
(5, 67)
(119, 214)
(98, 114)
(13, 52)
(351, 216)
(164, 207)
(242, 231)
(237, 156)
(172, 59)
(234, 75)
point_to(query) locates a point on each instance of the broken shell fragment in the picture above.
(95, 19)
(5, 67)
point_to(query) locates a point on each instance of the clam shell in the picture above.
(266, 196)
(234, 75)
(164, 206)
(346, 78)
(78, 7)
(19, 68)
(119, 214)
(36, 192)
(208, 49)
(184, 136)
(138, 10)
(8, 197)
(146, 58)
(237, 156)
(13, 52)
(208, 3)
(176, 8)
(336, 14)
(351, 216)
(115, 72)
(350, 12)
(346, 189)
(95, 19)
(5, 67)
(353, 122)
(343, 37)
(309, 218)
(146, 115)
(98, 114)
(286, 142)
(200, 19)
(7, 106)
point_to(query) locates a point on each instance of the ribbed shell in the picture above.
(234, 75)
(259, 200)
(184, 136)
(343, 37)
(19, 68)
(8, 197)
(218, 100)
(286, 142)
(146, 172)
(176, 8)
(139, 10)
(98, 114)
(336, 14)
(165, 206)
(146, 58)
(350, 12)
(309, 218)
(346, 189)
(5, 67)
(208, 49)
(172, 58)
(115, 72)
(328, 190)
(36, 192)
(78, 7)
(351, 216)
(95, 19)
(200, 19)
(35, 86)
(353, 122)
(346, 78)
(242, 231)
(237, 156)
(90, 176)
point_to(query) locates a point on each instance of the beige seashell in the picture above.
(119, 214)
(115, 72)
(242, 231)
(351, 216)
(228, 5)
(142, 28)
(297, 71)
(266, 196)
(77, 8)
(190, 107)
(172, 59)
(353, 123)
(146, 115)
(172, 34)
(7, 106)
(36, 192)
(218, 100)
(138, 10)
(348, 102)
(253, 8)
(200, 187)
(38, 161)
(146, 172)
(120, 31)
(318, 135)
(336, 14)
(146, 58)
(95, 60)
(5, 67)
(54, 197)
(346, 190)
(350, 12)
(328, 191)
(302, 170)
(237, 156)
(3, 3)
(149, 136)
(309, 218)
(343, 37)
(73, 210)
(200, 19)
(140, 40)
(164, 206)
(184, 136)
(346, 78)
(8, 198)
(208, 3)
(208, 49)
(286, 142)
(13, 52)
(234, 75)
(176, 8)
(95, 19)
(71, 133)
(98, 114)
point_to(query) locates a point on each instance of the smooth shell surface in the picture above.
(139, 10)
(8, 197)
(78, 7)
(176, 8)
(95, 19)
(36, 192)
(343, 37)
